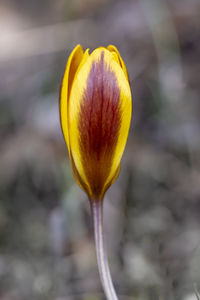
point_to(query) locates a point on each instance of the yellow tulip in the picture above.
(95, 111)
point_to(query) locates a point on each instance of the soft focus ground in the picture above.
(152, 212)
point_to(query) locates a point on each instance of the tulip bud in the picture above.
(95, 110)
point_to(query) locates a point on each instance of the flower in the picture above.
(95, 113)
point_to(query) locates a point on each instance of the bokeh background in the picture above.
(152, 212)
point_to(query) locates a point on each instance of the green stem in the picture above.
(106, 280)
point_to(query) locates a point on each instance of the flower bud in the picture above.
(95, 113)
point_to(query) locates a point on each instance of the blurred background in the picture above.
(152, 212)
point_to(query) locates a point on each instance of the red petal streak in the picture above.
(99, 124)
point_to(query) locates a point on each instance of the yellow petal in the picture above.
(70, 70)
(114, 50)
(100, 93)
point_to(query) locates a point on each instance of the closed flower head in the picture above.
(95, 111)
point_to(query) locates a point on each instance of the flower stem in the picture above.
(106, 280)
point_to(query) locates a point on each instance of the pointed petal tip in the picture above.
(114, 49)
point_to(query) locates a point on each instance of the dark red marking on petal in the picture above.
(99, 124)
